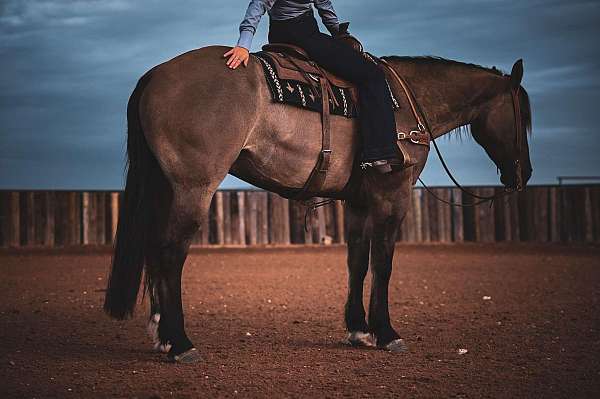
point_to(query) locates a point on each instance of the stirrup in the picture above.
(382, 165)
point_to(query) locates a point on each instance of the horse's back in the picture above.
(192, 115)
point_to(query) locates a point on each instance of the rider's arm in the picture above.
(328, 15)
(240, 54)
(256, 9)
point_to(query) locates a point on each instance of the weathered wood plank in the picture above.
(444, 216)
(308, 226)
(4, 219)
(219, 217)
(285, 215)
(226, 217)
(252, 226)
(595, 199)
(540, 216)
(432, 208)
(100, 218)
(50, 212)
(470, 219)
(504, 214)
(241, 213)
(27, 219)
(263, 217)
(86, 213)
(486, 230)
(39, 206)
(15, 219)
(425, 229)
(297, 222)
(588, 217)
(321, 226)
(553, 214)
(457, 216)
(523, 215)
(330, 223)
(417, 215)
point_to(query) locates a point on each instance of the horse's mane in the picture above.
(434, 60)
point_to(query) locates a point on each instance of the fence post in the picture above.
(14, 216)
(219, 217)
(457, 217)
(49, 228)
(241, 218)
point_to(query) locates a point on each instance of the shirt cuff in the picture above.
(245, 40)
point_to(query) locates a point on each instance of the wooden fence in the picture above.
(254, 217)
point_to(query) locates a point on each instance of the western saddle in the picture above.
(293, 62)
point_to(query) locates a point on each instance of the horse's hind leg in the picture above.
(154, 319)
(358, 264)
(188, 208)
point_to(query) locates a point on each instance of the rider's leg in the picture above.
(377, 124)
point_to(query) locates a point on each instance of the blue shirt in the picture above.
(281, 10)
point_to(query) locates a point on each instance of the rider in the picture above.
(292, 21)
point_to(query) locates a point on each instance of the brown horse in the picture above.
(191, 121)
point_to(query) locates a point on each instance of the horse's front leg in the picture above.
(358, 264)
(383, 239)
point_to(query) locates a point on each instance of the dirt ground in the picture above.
(268, 323)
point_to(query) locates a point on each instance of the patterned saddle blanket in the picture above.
(296, 82)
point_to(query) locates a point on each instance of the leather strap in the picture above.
(315, 180)
(326, 122)
(416, 136)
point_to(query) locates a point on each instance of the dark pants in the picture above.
(376, 113)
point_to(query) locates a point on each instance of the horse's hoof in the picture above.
(396, 346)
(188, 357)
(359, 339)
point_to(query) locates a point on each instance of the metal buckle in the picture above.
(414, 133)
(400, 136)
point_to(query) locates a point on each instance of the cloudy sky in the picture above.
(67, 68)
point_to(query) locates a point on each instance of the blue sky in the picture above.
(69, 66)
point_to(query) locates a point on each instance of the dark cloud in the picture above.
(68, 67)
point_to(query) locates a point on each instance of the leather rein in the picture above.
(424, 127)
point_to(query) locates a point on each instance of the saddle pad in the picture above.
(299, 93)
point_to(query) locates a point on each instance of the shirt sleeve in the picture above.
(256, 9)
(328, 15)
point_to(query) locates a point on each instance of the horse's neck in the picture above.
(450, 95)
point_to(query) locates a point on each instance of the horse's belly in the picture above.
(284, 148)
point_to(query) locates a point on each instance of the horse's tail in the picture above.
(130, 242)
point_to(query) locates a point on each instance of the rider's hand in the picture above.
(237, 55)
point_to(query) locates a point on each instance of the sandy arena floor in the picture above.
(268, 323)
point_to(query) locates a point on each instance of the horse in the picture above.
(191, 121)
